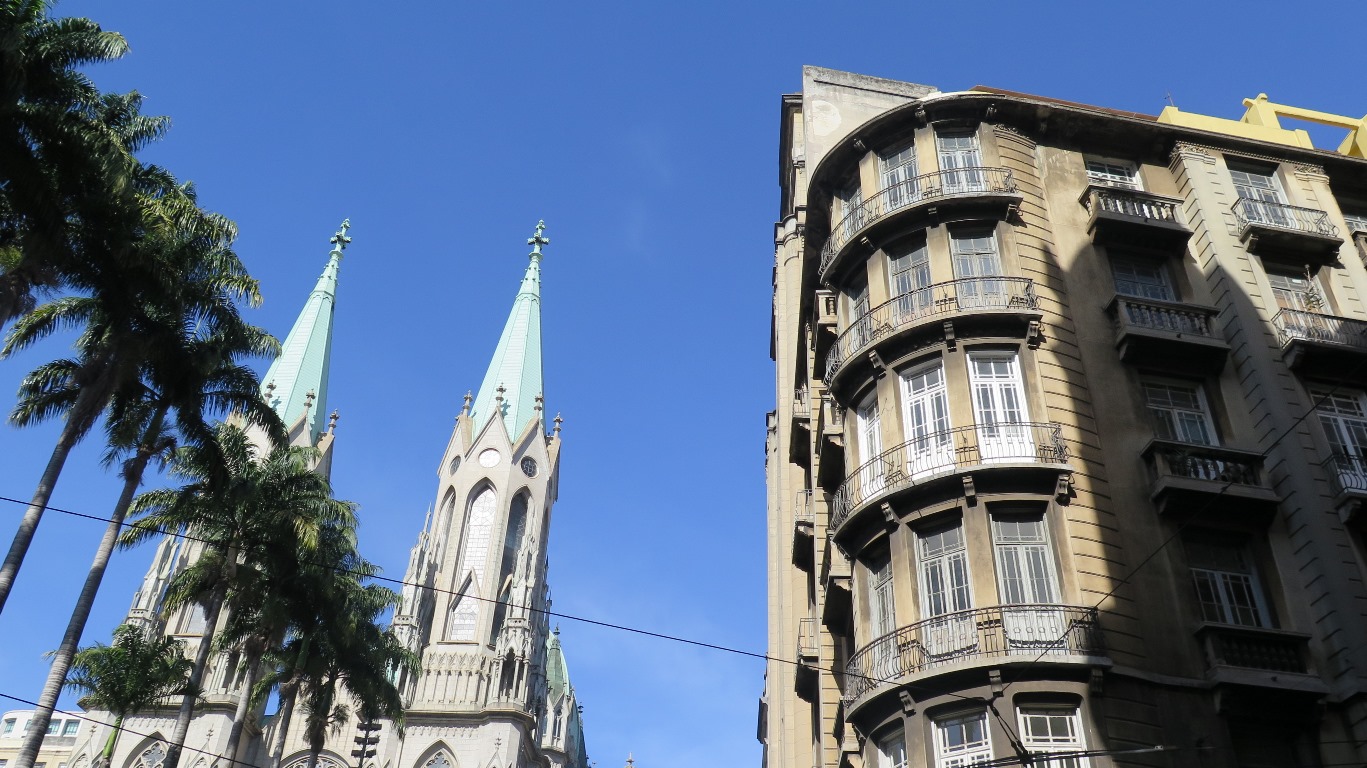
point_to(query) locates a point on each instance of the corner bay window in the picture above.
(892, 751)
(942, 568)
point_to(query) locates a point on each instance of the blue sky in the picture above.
(646, 137)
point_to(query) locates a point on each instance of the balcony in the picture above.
(1167, 334)
(1002, 448)
(804, 526)
(1261, 657)
(1348, 477)
(1266, 225)
(1209, 479)
(1128, 216)
(969, 303)
(1047, 634)
(927, 195)
(1317, 344)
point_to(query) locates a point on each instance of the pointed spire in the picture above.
(298, 378)
(513, 380)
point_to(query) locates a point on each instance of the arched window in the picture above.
(152, 757)
(439, 760)
(512, 538)
(464, 614)
(475, 551)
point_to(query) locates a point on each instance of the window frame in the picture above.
(1160, 268)
(1044, 544)
(1105, 175)
(966, 756)
(1225, 603)
(1077, 744)
(896, 739)
(1205, 412)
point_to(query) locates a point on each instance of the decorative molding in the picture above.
(1007, 131)
(1197, 152)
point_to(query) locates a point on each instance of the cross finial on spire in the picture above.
(539, 239)
(309, 397)
(630, 761)
(501, 389)
(339, 240)
(558, 422)
(332, 422)
(466, 408)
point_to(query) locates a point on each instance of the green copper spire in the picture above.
(512, 384)
(297, 382)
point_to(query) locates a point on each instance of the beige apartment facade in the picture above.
(1068, 453)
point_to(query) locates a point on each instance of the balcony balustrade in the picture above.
(1286, 227)
(1048, 633)
(1191, 477)
(1320, 344)
(915, 309)
(802, 404)
(917, 192)
(1120, 214)
(1151, 332)
(804, 527)
(944, 452)
(808, 640)
(1271, 650)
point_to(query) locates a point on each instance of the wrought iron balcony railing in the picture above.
(1029, 631)
(941, 452)
(1299, 325)
(968, 294)
(1263, 213)
(1347, 472)
(1155, 315)
(1130, 202)
(963, 182)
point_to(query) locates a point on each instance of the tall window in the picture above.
(999, 407)
(974, 255)
(942, 565)
(8, 727)
(464, 615)
(1050, 730)
(1027, 583)
(870, 443)
(848, 205)
(1343, 415)
(1226, 585)
(1179, 412)
(512, 540)
(478, 530)
(857, 321)
(962, 741)
(1025, 564)
(930, 445)
(1141, 278)
(1296, 292)
(898, 170)
(909, 281)
(882, 612)
(960, 162)
(1113, 173)
(1258, 188)
(892, 751)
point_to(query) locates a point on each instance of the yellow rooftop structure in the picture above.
(1261, 122)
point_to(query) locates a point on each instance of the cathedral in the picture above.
(494, 690)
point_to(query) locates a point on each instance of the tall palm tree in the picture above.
(357, 658)
(130, 675)
(243, 506)
(123, 318)
(195, 375)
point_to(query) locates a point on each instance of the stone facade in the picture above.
(1068, 452)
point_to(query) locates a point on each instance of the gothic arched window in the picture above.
(439, 760)
(464, 614)
(152, 757)
(478, 527)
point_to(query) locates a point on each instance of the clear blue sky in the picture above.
(645, 135)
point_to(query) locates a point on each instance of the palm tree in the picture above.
(54, 150)
(194, 375)
(131, 675)
(358, 658)
(174, 262)
(243, 507)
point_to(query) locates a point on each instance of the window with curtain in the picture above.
(1179, 412)
(1226, 585)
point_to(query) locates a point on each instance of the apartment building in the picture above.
(1067, 465)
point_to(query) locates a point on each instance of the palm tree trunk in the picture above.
(253, 661)
(288, 693)
(61, 662)
(107, 756)
(187, 705)
(71, 432)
